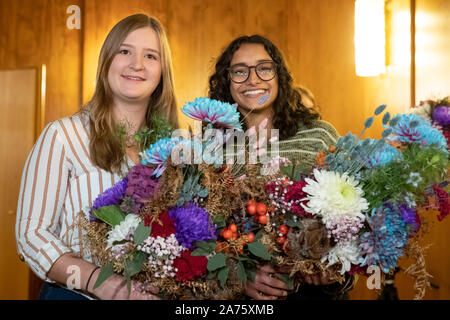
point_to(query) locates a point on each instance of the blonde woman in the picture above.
(78, 157)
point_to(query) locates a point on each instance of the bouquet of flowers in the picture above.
(176, 221)
(363, 204)
(197, 229)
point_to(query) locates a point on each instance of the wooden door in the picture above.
(19, 101)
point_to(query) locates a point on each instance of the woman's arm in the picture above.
(114, 288)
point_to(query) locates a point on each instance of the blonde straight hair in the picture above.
(105, 148)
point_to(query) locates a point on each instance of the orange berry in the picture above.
(227, 234)
(263, 219)
(331, 149)
(232, 227)
(251, 209)
(261, 209)
(234, 235)
(251, 201)
(250, 237)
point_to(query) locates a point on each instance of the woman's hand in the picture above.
(115, 288)
(266, 286)
(320, 279)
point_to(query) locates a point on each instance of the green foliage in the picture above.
(191, 187)
(217, 261)
(105, 273)
(204, 248)
(142, 232)
(160, 128)
(111, 215)
(418, 168)
(259, 250)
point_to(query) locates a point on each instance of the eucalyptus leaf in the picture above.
(135, 266)
(368, 123)
(203, 193)
(105, 273)
(141, 233)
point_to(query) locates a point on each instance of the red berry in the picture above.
(233, 227)
(283, 229)
(281, 240)
(261, 209)
(251, 201)
(250, 237)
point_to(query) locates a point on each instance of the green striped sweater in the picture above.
(302, 148)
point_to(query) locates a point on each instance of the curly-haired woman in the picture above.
(251, 72)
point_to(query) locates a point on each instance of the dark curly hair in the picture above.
(287, 107)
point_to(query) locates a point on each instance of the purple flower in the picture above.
(109, 197)
(441, 115)
(411, 218)
(192, 224)
(141, 185)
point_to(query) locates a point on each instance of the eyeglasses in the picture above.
(266, 71)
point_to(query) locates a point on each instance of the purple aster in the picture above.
(441, 115)
(109, 197)
(192, 224)
(141, 185)
(411, 219)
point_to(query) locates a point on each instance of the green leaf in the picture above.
(386, 118)
(222, 275)
(216, 261)
(200, 252)
(289, 281)
(242, 275)
(386, 132)
(368, 122)
(134, 266)
(219, 221)
(259, 234)
(105, 273)
(380, 109)
(111, 215)
(259, 250)
(203, 193)
(208, 246)
(142, 232)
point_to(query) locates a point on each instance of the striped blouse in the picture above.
(58, 182)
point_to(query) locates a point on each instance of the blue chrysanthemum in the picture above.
(158, 153)
(383, 155)
(192, 224)
(385, 243)
(109, 197)
(411, 128)
(222, 114)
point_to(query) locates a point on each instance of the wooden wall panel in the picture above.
(35, 33)
(432, 49)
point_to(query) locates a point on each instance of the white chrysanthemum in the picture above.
(333, 197)
(120, 231)
(423, 111)
(346, 254)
